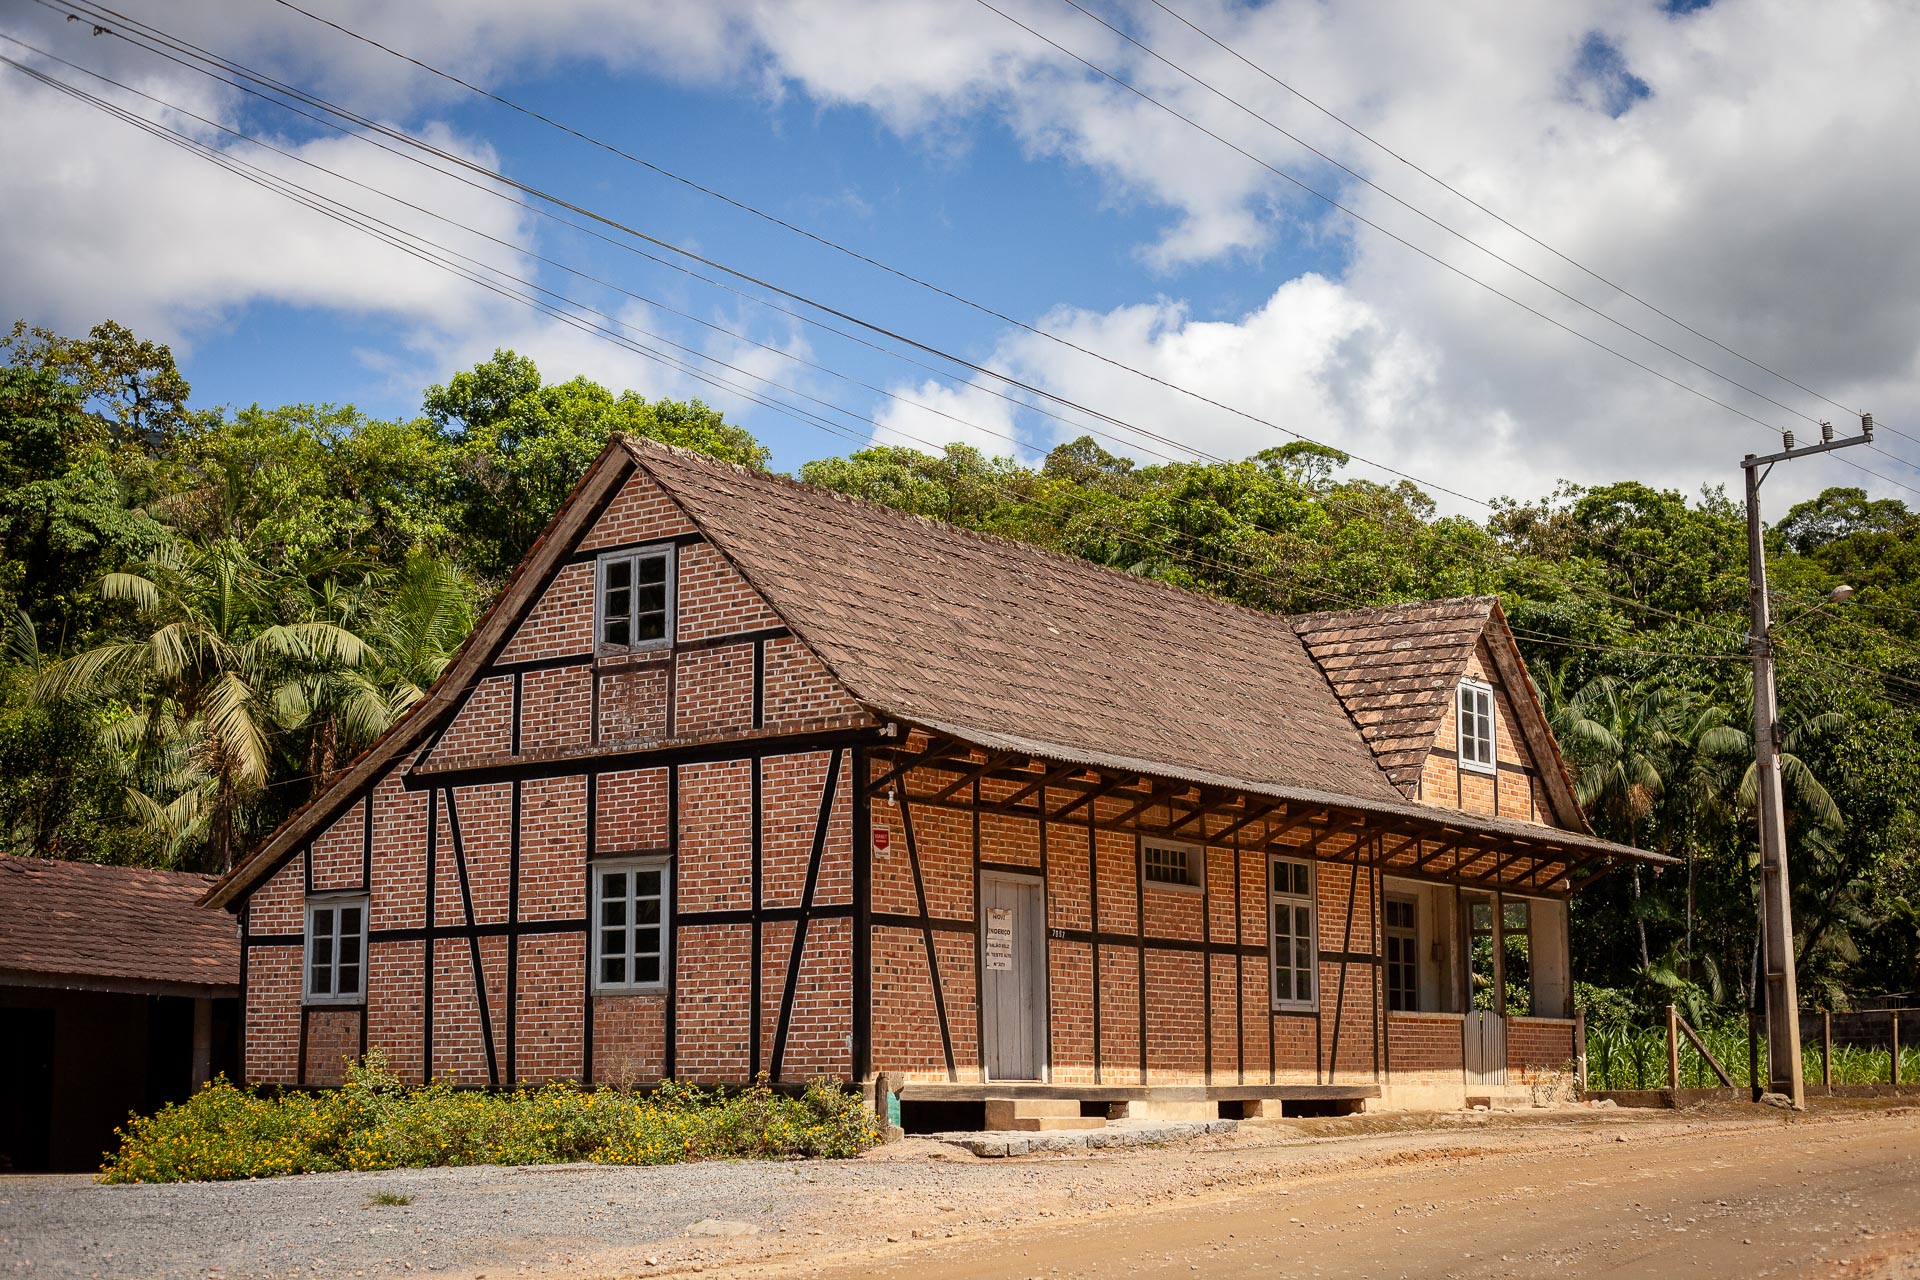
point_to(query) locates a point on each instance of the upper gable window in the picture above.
(1474, 716)
(633, 604)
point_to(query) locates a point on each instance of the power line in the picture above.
(1431, 257)
(1474, 552)
(1521, 231)
(1046, 334)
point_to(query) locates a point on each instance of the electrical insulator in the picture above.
(1787, 436)
(1826, 432)
(1866, 426)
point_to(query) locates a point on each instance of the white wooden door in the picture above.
(1013, 969)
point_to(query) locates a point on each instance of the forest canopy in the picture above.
(206, 613)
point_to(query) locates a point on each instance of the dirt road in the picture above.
(1735, 1191)
(1838, 1195)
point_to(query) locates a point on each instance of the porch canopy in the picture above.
(1405, 839)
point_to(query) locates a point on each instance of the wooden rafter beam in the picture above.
(901, 768)
(1253, 814)
(1220, 804)
(1105, 787)
(967, 779)
(1052, 777)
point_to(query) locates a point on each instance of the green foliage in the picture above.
(375, 1122)
(209, 613)
(1623, 1057)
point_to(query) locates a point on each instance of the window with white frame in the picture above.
(1170, 864)
(1403, 954)
(336, 949)
(1294, 945)
(1475, 718)
(630, 897)
(633, 601)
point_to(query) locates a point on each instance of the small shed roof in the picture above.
(80, 925)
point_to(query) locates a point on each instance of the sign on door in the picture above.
(999, 945)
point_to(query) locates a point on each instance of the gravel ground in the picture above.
(589, 1220)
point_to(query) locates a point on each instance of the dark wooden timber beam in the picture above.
(1253, 814)
(1220, 804)
(1053, 777)
(1584, 881)
(967, 779)
(1107, 786)
(901, 768)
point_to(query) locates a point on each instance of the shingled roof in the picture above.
(1395, 667)
(977, 635)
(996, 642)
(75, 924)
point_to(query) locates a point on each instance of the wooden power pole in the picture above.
(1784, 1074)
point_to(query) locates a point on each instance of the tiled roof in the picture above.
(936, 625)
(92, 926)
(1395, 669)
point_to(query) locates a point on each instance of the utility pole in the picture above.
(1776, 906)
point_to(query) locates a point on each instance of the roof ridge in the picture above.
(1424, 602)
(1267, 616)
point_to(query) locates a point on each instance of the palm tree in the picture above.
(200, 690)
(1621, 738)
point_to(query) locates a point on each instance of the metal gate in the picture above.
(1486, 1046)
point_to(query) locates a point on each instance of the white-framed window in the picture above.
(1295, 943)
(336, 952)
(633, 601)
(630, 906)
(1171, 864)
(1403, 954)
(1474, 715)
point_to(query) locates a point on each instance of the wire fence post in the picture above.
(1753, 1050)
(1826, 1052)
(1894, 1017)
(1673, 1047)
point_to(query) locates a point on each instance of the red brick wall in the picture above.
(1248, 1040)
(1539, 1042)
(544, 1009)
(1425, 1042)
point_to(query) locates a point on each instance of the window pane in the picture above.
(646, 969)
(613, 884)
(646, 884)
(652, 599)
(323, 922)
(646, 911)
(1514, 916)
(618, 629)
(613, 911)
(1302, 879)
(651, 626)
(349, 948)
(1482, 917)
(349, 984)
(619, 574)
(1283, 984)
(323, 949)
(349, 921)
(646, 942)
(613, 942)
(653, 569)
(1302, 955)
(317, 981)
(613, 969)
(1302, 923)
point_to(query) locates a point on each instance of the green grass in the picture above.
(1636, 1058)
(387, 1197)
(375, 1122)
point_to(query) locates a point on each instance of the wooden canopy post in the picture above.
(1580, 1051)
(1673, 1047)
(1894, 1015)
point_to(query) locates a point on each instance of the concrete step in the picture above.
(1002, 1112)
(1053, 1124)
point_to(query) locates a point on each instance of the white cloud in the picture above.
(1761, 191)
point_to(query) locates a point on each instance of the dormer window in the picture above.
(1474, 715)
(633, 601)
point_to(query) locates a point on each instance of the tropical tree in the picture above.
(195, 702)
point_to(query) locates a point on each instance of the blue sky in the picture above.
(1675, 150)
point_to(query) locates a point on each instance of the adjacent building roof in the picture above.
(75, 924)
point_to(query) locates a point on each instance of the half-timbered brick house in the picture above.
(741, 776)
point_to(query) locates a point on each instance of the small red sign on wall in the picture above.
(882, 841)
